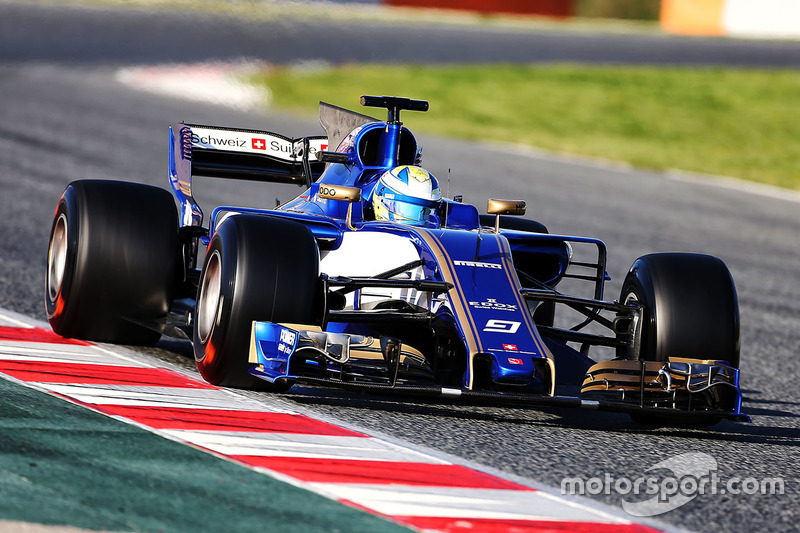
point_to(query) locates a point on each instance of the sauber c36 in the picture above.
(469, 306)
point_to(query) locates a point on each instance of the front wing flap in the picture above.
(296, 351)
(678, 384)
(679, 388)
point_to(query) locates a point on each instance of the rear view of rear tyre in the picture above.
(111, 265)
(256, 268)
(690, 309)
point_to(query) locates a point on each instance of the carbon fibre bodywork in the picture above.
(453, 307)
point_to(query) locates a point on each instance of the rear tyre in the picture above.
(690, 309)
(111, 264)
(256, 268)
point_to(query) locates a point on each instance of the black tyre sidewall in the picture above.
(690, 307)
(269, 272)
(120, 269)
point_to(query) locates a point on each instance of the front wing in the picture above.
(680, 389)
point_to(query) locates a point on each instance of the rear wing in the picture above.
(198, 150)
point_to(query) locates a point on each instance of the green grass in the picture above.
(733, 122)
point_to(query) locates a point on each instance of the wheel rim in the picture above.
(57, 258)
(633, 298)
(208, 302)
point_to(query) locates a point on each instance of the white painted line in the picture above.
(415, 500)
(8, 319)
(265, 444)
(122, 358)
(156, 397)
(60, 353)
(45, 350)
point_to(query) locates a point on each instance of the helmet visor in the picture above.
(408, 211)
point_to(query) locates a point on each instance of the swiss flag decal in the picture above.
(512, 347)
(259, 144)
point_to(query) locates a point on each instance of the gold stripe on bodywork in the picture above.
(505, 259)
(252, 356)
(459, 307)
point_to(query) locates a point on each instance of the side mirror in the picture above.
(339, 192)
(344, 194)
(504, 207)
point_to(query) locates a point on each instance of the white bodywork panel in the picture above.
(368, 254)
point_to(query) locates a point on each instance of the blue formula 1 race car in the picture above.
(371, 280)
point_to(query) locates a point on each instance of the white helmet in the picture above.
(406, 194)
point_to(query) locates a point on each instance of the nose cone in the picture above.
(509, 368)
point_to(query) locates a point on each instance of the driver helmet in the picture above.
(406, 194)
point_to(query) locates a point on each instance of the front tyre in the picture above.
(257, 268)
(111, 264)
(690, 309)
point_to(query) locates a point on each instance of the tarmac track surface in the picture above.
(63, 117)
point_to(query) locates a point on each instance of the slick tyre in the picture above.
(256, 268)
(690, 309)
(111, 264)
